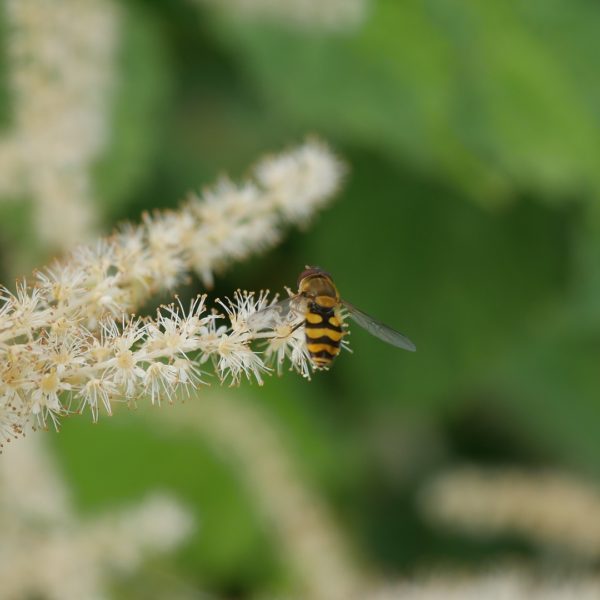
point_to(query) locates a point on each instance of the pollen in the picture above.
(283, 331)
(49, 384)
(125, 360)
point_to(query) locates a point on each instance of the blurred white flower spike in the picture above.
(310, 15)
(70, 342)
(557, 511)
(61, 59)
(48, 551)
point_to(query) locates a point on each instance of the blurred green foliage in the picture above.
(144, 84)
(469, 220)
(481, 93)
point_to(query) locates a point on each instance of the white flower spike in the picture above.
(71, 343)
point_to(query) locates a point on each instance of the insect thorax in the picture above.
(318, 286)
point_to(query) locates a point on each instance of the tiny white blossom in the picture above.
(61, 284)
(175, 330)
(126, 368)
(63, 353)
(244, 305)
(160, 380)
(288, 343)
(188, 373)
(27, 311)
(165, 260)
(300, 175)
(210, 334)
(97, 392)
(45, 402)
(237, 359)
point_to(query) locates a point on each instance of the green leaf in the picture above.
(229, 543)
(144, 84)
(478, 92)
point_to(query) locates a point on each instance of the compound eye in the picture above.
(308, 272)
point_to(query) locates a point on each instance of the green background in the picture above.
(469, 220)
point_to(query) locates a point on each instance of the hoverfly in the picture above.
(319, 303)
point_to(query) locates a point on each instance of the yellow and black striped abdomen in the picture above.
(323, 331)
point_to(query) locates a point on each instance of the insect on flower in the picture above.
(321, 311)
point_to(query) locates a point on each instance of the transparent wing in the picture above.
(378, 329)
(288, 309)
